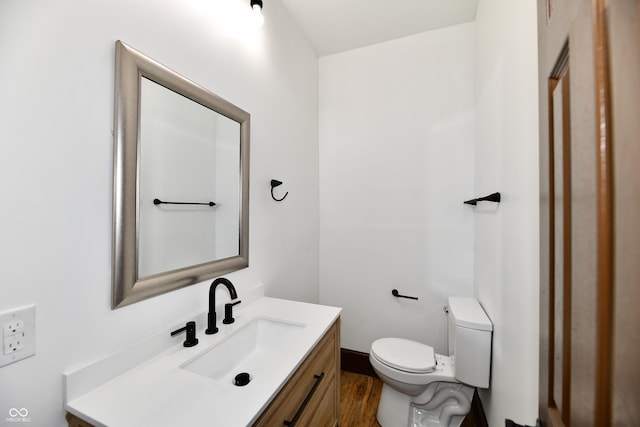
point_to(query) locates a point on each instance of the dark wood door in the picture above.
(590, 212)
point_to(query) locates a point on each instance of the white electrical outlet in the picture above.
(13, 327)
(18, 334)
(14, 343)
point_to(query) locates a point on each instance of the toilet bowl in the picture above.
(422, 388)
(413, 386)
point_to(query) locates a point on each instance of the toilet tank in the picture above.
(469, 331)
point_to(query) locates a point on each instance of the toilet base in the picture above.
(394, 408)
(438, 402)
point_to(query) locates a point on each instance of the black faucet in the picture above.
(211, 318)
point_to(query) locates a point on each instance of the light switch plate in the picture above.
(18, 334)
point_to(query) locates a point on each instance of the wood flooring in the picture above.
(359, 396)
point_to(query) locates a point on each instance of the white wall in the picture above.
(56, 117)
(506, 237)
(396, 163)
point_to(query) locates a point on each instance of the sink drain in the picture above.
(242, 379)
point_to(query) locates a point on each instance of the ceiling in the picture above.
(334, 26)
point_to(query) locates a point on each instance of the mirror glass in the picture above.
(188, 154)
(181, 181)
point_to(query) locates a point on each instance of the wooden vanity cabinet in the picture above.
(311, 397)
(77, 422)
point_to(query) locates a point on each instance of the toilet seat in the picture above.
(404, 355)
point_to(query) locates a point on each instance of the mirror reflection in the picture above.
(189, 160)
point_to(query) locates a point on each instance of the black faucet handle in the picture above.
(228, 312)
(191, 339)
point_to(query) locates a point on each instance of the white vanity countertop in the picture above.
(159, 392)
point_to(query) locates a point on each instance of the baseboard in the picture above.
(477, 411)
(356, 362)
(510, 423)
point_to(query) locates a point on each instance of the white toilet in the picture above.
(422, 388)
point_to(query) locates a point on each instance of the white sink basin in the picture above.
(254, 349)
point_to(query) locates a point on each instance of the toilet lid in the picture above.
(403, 354)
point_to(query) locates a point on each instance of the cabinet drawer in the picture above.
(321, 411)
(314, 381)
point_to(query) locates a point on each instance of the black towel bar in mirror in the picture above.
(161, 202)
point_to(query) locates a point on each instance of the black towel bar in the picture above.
(495, 197)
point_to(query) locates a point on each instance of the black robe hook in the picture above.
(275, 183)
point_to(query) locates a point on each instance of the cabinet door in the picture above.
(320, 411)
(311, 396)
